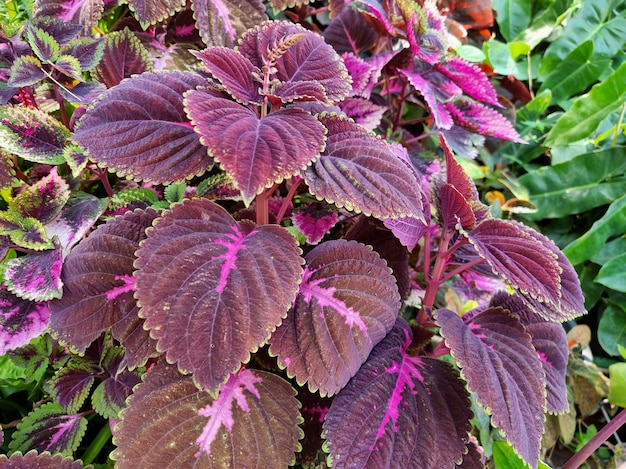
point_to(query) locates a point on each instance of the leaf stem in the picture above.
(97, 444)
(617, 127)
(434, 280)
(288, 198)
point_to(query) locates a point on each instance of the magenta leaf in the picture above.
(123, 56)
(36, 276)
(71, 385)
(20, 320)
(33, 459)
(503, 370)
(255, 152)
(399, 411)
(139, 129)
(212, 290)
(99, 288)
(429, 92)
(483, 120)
(223, 22)
(170, 423)
(348, 301)
(49, 428)
(43, 200)
(314, 221)
(64, 19)
(362, 173)
(363, 112)
(470, 78)
(365, 74)
(549, 341)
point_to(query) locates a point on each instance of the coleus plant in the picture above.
(269, 295)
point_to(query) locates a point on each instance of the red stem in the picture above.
(290, 195)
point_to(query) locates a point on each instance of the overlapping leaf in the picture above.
(169, 423)
(26, 70)
(212, 290)
(99, 287)
(43, 200)
(399, 411)
(314, 222)
(470, 78)
(20, 320)
(36, 276)
(362, 173)
(222, 22)
(348, 301)
(34, 459)
(71, 385)
(483, 120)
(139, 129)
(152, 11)
(503, 370)
(60, 18)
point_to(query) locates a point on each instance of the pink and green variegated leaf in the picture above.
(256, 152)
(310, 59)
(314, 221)
(428, 90)
(251, 423)
(36, 276)
(363, 174)
(234, 71)
(348, 301)
(32, 134)
(139, 129)
(109, 398)
(43, 44)
(222, 22)
(28, 233)
(49, 428)
(33, 459)
(62, 18)
(25, 71)
(470, 78)
(549, 341)
(526, 263)
(503, 370)
(150, 12)
(212, 289)
(483, 120)
(399, 411)
(99, 288)
(71, 385)
(88, 51)
(43, 200)
(123, 56)
(363, 112)
(20, 320)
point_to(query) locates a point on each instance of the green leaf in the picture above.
(535, 108)
(513, 16)
(505, 457)
(575, 72)
(575, 186)
(25, 71)
(589, 110)
(613, 275)
(610, 250)
(134, 195)
(612, 328)
(589, 244)
(43, 44)
(617, 386)
(500, 58)
(175, 192)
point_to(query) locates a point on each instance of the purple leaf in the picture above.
(365, 74)
(399, 411)
(454, 208)
(71, 385)
(362, 173)
(43, 200)
(429, 91)
(98, 293)
(408, 230)
(549, 341)
(36, 276)
(150, 12)
(33, 459)
(456, 176)
(43, 44)
(123, 56)
(48, 428)
(69, 66)
(139, 129)
(310, 59)
(503, 370)
(255, 152)
(470, 78)
(314, 221)
(26, 70)
(64, 19)
(7, 172)
(62, 31)
(251, 423)
(300, 91)
(88, 51)
(20, 320)
(348, 301)
(212, 290)
(222, 22)
(350, 32)
(363, 112)
(109, 398)
(483, 120)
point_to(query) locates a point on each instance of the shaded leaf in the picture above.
(314, 410)
(348, 301)
(514, 16)
(425, 87)
(612, 274)
(109, 398)
(43, 44)
(20, 320)
(222, 22)
(88, 51)
(33, 459)
(350, 32)
(139, 129)
(363, 112)
(408, 230)
(69, 66)
(252, 423)
(28, 233)
(398, 411)
(210, 317)
(314, 221)
(612, 328)
(36, 276)
(454, 208)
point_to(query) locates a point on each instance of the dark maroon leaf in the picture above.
(83, 93)
(362, 173)
(503, 370)
(43, 200)
(408, 230)
(300, 91)
(71, 385)
(475, 456)
(255, 152)
(365, 74)
(350, 32)
(99, 288)
(171, 424)
(123, 56)
(455, 209)
(223, 22)
(399, 411)
(32, 460)
(483, 120)
(470, 78)
(20, 320)
(152, 11)
(36, 276)
(348, 301)
(456, 176)
(314, 221)
(139, 129)
(212, 290)
(109, 398)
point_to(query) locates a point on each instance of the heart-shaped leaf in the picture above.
(212, 290)
(43, 200)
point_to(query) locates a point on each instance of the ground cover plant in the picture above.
(231, 241)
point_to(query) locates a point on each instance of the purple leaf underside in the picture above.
(152, 11)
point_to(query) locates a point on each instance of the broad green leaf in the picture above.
(513, 16)
(576, 72)
(505, 457)
(617, 386)
(588, 245)
(612, 328)
(610, 250)
(613, 275)
(589, 110)
(575, 186)
(500, 57)
(537, 107)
